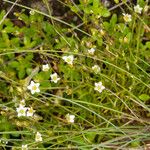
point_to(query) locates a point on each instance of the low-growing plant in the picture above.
(79, 82)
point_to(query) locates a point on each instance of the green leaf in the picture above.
(6, 39)
(141, 3)
(14, 64)
(148, 45)
(135, 143)
(45, 84)
(48, 28)
(29, 57)
(105, 12)
(27, 41)
(113, 20)
(21, 73)
(116, 1)
(28, 71)
(96, 4)
(24, 18)
(2, 14)
(41, 76)
(15, 42)
(144, 97)
(10, 56)
(9, 29)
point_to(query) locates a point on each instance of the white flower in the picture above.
(138, 9)
(91, 51)
(38, 137)
(54, 77)
(68, 59)
(45, 67)
(22, 103)
(32, 12)
(99, 87)
(70, 118)
(24, 147)
(21, 110)
(127, 17)
(102, 32)
(96, 69)
(34, 87)
(30, 112)
(146, 8)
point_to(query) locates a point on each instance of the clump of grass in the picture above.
(79, 82)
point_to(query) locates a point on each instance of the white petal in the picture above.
(32, 83)
(29, 87)
(96, 84)
(64, 58)
(102, 87)
(37, 90)
(99, 83)
(32, 91)
(37, 84)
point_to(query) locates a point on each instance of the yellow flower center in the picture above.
(31, 110)
(99, 87)
(126, 18)
(38, 137)
(34, 88)
(54, 78)
(21, 111)
(68, 60)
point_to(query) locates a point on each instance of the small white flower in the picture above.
(45, 67)
(32, 12)
(34, 87)
(99, 87)
(38, 137)
(21, 111)
(22, 103)
(68, 59)
(54, 77)
(96, 69)
(30, 112)
(91, 51)
(102, 32)
(138, 9)
(146, 8)
(24, 147)
(127, 17)
(70, 118)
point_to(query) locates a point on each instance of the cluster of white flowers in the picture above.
(137, 9)
(34, 87)
(24, 111)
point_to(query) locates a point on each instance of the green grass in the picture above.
(116, 118)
